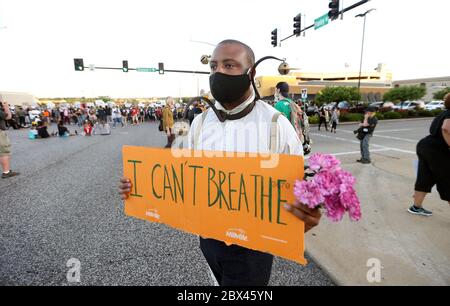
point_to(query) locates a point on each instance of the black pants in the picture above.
(236, 266)
(434, 168)
(322, 120)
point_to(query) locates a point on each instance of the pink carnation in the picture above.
(334, 210)
(332, 187)
(324, 162)
(328, 182)
(308, 193)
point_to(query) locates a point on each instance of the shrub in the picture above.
(437, 112)
(393, 115)
(425, 113)
(351, 117)
(379, 115)
(314, 119)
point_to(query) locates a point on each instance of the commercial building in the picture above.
(374, 84)
(432, 85)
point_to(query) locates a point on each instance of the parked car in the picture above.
(435, 105)
(410, 105)
(382, 106)
(311, 110)
(376, 105)
(358, 108)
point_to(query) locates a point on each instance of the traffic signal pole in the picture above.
(351, 7)
(165, 70)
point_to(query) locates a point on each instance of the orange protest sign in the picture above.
(232, 199)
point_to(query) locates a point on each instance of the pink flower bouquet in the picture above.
(330, 188)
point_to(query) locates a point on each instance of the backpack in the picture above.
(300, 122)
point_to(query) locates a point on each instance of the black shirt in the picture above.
(372, 121)
(436, 129)
(62, 130)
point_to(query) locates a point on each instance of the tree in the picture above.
(338, 94)
(405, 93)
(441, 94)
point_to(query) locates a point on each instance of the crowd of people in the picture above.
(90, 120)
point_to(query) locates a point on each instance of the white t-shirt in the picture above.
(248, 134)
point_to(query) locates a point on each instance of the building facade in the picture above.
(432, 85)
(374, 84)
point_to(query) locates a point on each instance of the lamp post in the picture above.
(362, 47)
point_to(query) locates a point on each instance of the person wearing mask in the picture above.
(167, 121)
(232, 71)
(434, 162)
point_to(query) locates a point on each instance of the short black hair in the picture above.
(284, 88)
(250, 54)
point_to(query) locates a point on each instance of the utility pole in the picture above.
(362, 47)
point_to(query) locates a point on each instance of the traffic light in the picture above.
(298, 24)
(275, 37)
(334, 9)
(125, 66)
(161, 68)
(79, 65)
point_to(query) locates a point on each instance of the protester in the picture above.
(167, 121)
(42, 130)
(334, 120)
(5, 143)
(323, 117)
(367, 127)
(236, 100)
(87, 127)
(434, 162)
(63, 131)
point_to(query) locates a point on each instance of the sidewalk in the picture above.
(413, 250)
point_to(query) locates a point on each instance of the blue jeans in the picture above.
(364, 144)
(117, 120)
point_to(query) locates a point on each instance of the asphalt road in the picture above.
(65, 205)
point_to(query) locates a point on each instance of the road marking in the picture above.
(389, 131)
(354, 152)
(373, 145)
(388, 137)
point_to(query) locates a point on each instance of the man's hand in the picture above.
(311, 217)
(124, 188)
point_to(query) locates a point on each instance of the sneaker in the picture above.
(9, 174)
(419, 211)
(363, 161)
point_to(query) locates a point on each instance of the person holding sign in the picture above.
(248, 127)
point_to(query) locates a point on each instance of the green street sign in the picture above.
(146, 69)
(321, 21)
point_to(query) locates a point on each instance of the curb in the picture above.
(324, 269)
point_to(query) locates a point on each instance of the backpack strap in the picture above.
(274, 133)
(199, 129)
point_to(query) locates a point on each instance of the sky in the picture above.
(40, 38)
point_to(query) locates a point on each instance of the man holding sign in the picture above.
(230, 82)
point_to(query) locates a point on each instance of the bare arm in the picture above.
(7, 111)
(446, 131)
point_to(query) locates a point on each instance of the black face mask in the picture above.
(227, 88)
